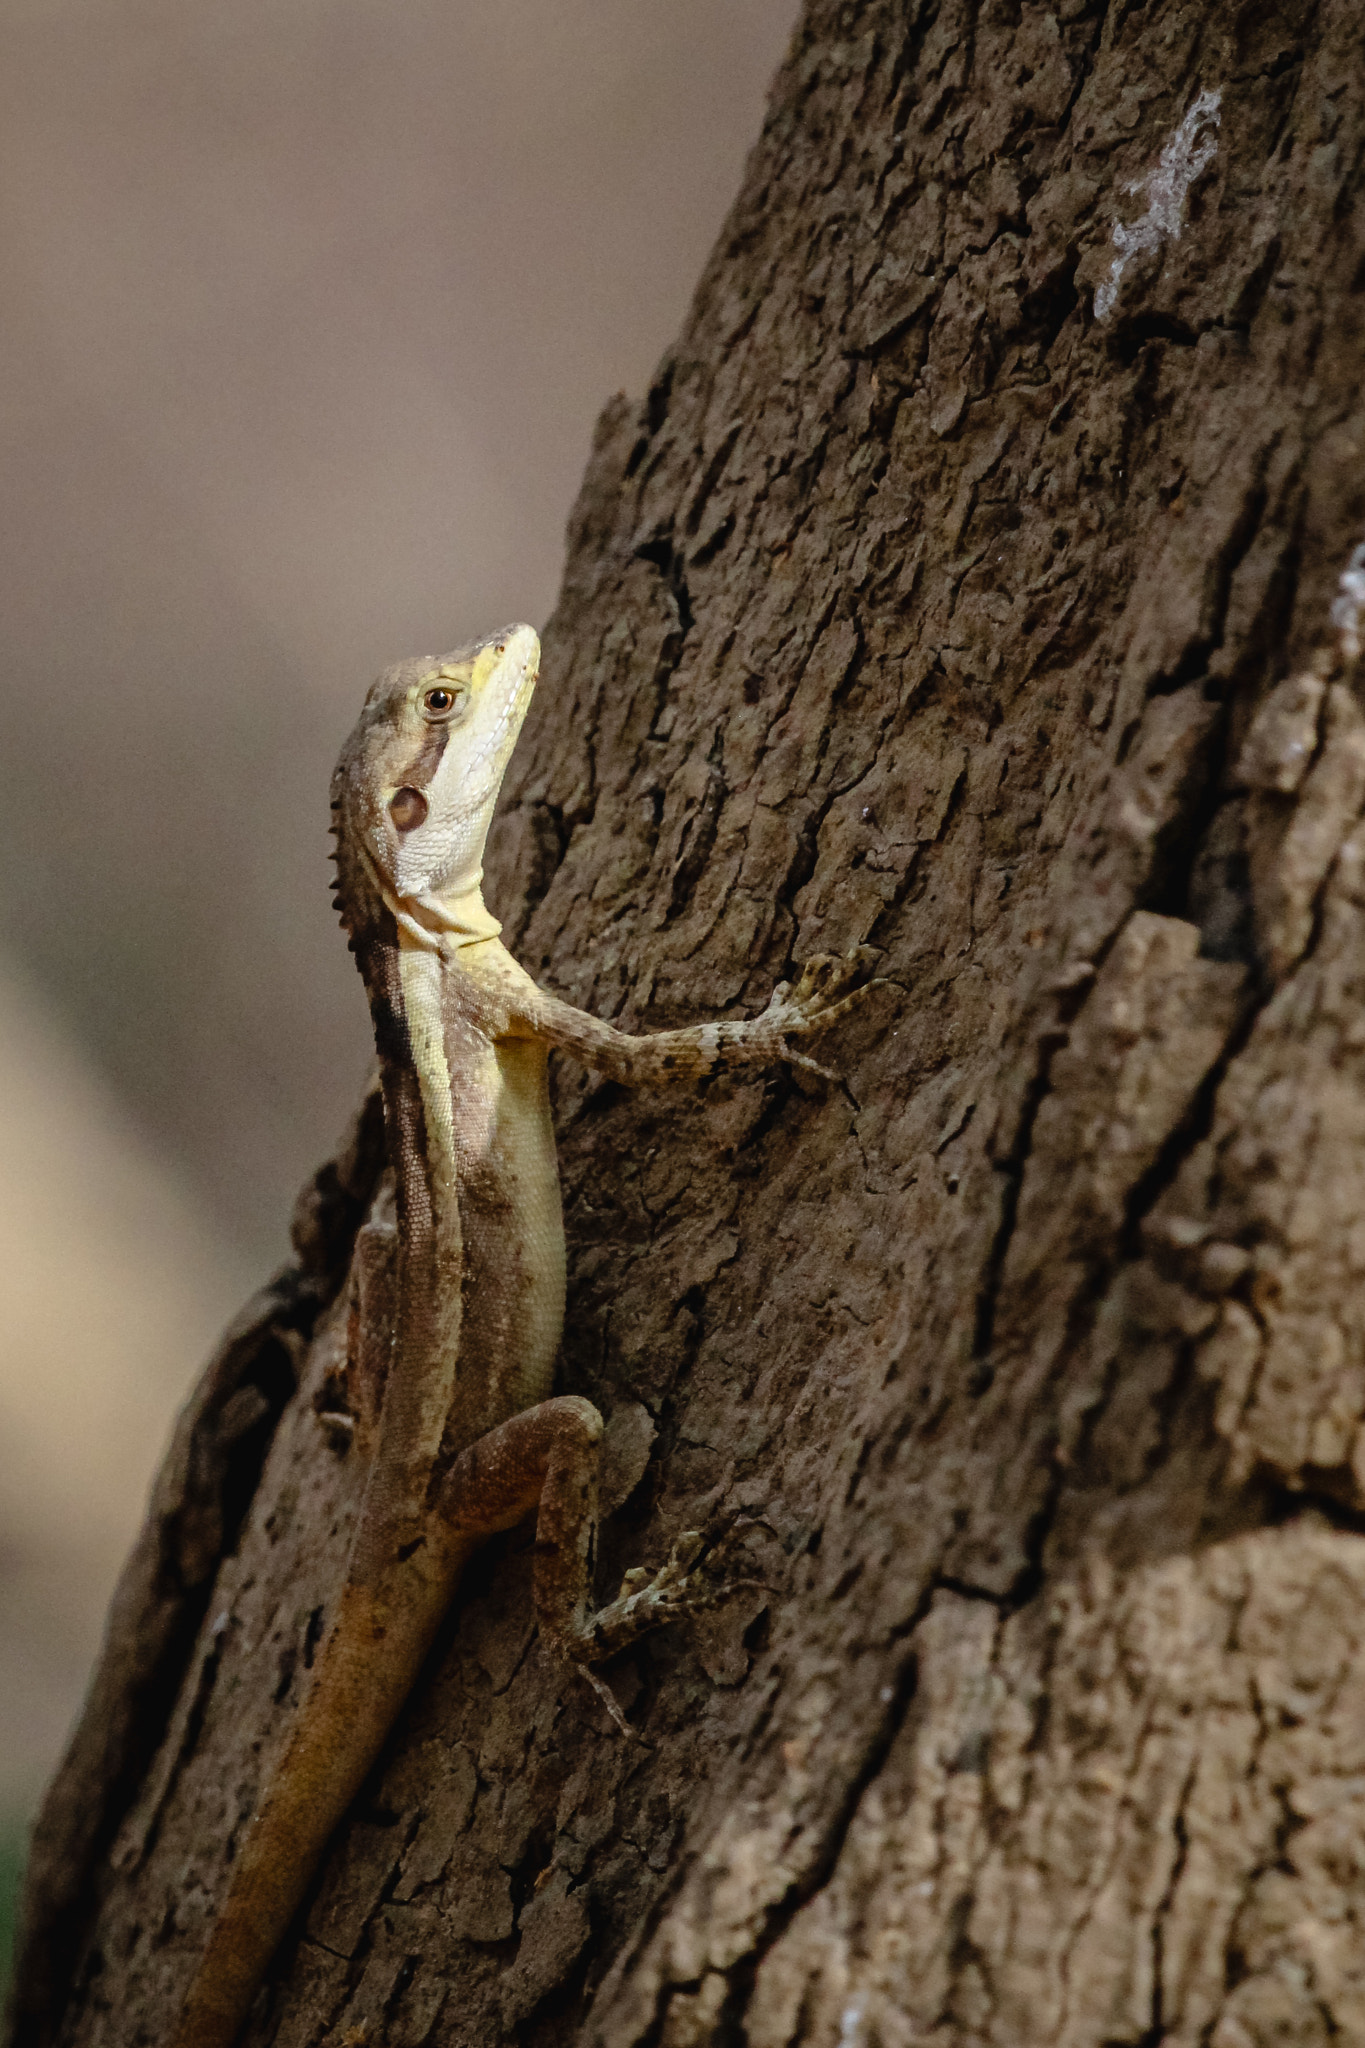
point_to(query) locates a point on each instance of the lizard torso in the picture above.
(502, 1178)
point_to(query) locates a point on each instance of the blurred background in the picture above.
(310, 306)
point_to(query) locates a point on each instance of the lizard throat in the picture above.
(439, 922)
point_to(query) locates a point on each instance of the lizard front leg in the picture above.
(830, 986)
(546, 1459)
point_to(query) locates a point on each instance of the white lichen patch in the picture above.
(1187, 154)
(1349, 606)
(851, 2024)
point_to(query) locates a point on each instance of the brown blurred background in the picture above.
(309, 308)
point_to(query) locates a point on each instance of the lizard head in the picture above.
(417, 780)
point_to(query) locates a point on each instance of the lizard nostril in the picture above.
(407, 807)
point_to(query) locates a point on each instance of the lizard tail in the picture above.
(366, 1671)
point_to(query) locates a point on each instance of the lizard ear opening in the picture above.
(407, 808)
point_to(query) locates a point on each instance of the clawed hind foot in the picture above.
(689, 1583)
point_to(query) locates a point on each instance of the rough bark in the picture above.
(965, 584)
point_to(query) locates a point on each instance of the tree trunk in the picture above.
(976, 581)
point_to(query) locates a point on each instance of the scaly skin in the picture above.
(469, 1440)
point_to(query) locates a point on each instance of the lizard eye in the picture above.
(407, 807)
(439, 700)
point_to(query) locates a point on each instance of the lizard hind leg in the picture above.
(546, 1458)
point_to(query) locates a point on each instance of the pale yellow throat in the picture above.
(437, 922)
(461, 919)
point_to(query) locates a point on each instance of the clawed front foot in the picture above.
(831, 984)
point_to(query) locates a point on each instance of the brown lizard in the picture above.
(469, 1439)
